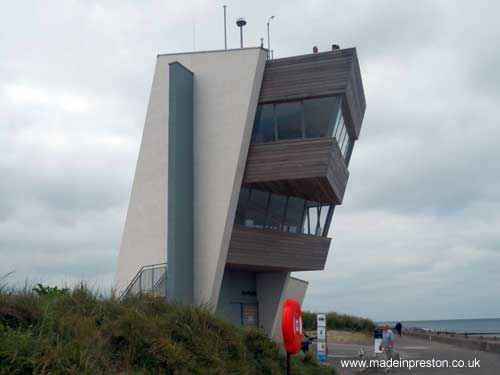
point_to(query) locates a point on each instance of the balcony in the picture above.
(312, 169)
(266, 250)
(321, 74)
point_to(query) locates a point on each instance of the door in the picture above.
(250, 314)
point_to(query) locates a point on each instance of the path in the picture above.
(411, 348)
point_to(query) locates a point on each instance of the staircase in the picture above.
(151, 280)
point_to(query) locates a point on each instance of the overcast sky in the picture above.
(418, 234)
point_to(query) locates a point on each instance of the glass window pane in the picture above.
(294, 212)
(336, 124)
(305, 222)
(289, 120)
(314, 213)
(336, 114)
(313, 218)
(256, 211)
(240, 209)
(322, 220)
(263, 128)
(345, 137)
(345, 145)
(341, 133)
(276, 211)
(339, 127)
(317, 116)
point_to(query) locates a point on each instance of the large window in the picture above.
(293, 217)
(276, 211)
(259, 209)
(263, 130)
(289, 120)
(308, 118)
(319, 116)
(256, 209)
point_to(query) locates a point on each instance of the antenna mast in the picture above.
(225, 34)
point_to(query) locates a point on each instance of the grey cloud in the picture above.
(418, 228)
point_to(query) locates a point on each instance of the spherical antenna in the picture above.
(240, 22)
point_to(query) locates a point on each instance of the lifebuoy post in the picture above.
(291, 327)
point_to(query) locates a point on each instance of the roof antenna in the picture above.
(225, 33)
(240, 22)
(194, 35)
(269, 53)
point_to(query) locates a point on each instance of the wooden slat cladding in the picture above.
(312, 169)
(321, 74)
(267, 250)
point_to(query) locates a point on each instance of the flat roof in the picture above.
(210, 51)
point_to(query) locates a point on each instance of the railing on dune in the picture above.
(151, 279)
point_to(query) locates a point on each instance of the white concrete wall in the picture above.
(296, 289)
(144, 236)
(270, 295)
(226, 90)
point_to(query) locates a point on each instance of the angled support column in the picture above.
(296, 289)
(270, 293)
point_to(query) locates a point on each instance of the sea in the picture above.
(485, 327)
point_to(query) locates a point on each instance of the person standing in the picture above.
(387, 344)
(399, 328)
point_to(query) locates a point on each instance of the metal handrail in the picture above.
(139, 275)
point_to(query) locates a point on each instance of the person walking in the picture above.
(387, 344)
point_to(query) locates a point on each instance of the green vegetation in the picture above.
(58, 331)
(339, 322)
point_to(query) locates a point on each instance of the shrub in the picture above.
(307, 364)
(308, 320)
(17, 347)
(339, 322)
(42, 290)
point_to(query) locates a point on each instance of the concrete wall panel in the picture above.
(270, 293)
(226, 90)
(144, 235)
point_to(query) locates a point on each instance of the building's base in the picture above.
(255, 298)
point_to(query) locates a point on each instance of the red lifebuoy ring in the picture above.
(291, 325)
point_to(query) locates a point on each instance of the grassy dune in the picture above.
(53, 331)
(341, 322)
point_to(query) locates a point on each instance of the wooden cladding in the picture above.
(312, 169)
(267, 250)
(322, 74)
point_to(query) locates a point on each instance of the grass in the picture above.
(60, 331)
(339, 322)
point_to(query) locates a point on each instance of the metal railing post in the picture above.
(153, 281)
(140, 283)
